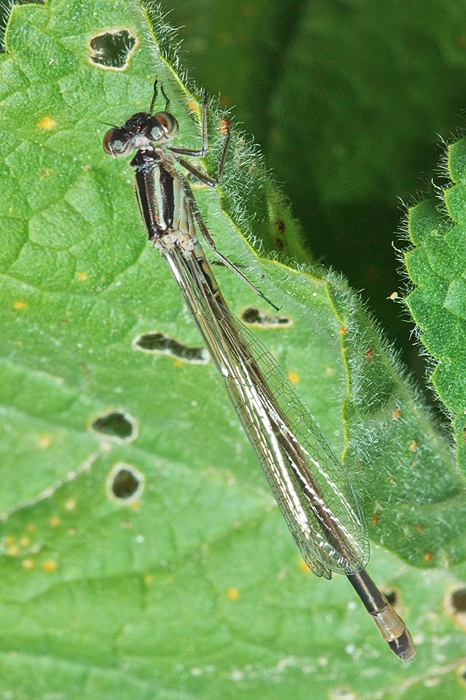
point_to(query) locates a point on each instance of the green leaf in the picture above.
(436, 265)
(192, 588)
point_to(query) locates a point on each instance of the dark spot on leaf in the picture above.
(118, 425)
(458, 600)
(161, 344)
(112, 50)
(125, 483)
(256, 317)
(279, 243)
(281, 226)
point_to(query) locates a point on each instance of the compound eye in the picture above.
(168, 123)
(117, 143)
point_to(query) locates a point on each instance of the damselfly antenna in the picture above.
(155, 95)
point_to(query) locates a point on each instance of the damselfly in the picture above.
(306, 478)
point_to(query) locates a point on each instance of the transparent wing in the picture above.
(306, 478)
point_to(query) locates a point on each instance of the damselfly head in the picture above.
(141, 132)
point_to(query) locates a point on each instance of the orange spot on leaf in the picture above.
(47, 123)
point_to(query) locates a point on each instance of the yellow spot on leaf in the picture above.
(30, 528)
(70, 504)
(54, 522)
(342, 330)
(413, 445)
(232, 594)
(13, 551)
(72, 531)
(177, 363)
(44, 442)
(20, 305)
(81, 276)
(47, 123)
(148, 579)
(293, 377)
(396, 414)
(9, 540)
(24, 541)
(49, 565)
(27, 564)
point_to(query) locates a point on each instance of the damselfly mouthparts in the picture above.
(307, 480)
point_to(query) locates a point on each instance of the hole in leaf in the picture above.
(112, 50)
(161, 344)
(118, 425)
(458, 601)
(256, 317)
(125, 483)
(391, 595)
(341, 694)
